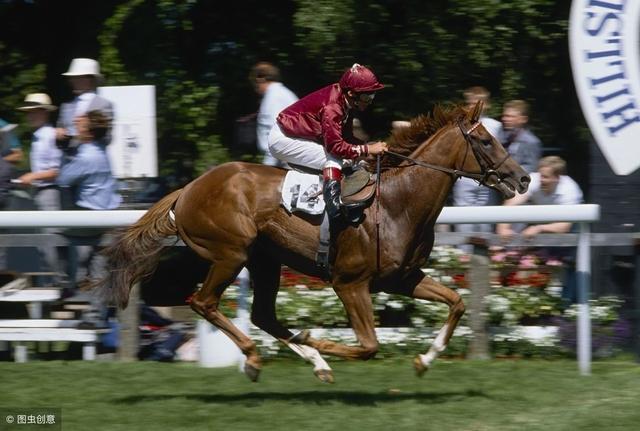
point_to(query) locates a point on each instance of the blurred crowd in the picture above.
(69, 169)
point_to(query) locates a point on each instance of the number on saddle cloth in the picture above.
(302, 192)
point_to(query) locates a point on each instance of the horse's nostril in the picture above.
(525, 179)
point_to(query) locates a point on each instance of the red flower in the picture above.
(460, 281)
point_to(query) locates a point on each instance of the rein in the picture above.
(455, 172)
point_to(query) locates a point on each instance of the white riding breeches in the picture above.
(299, 151)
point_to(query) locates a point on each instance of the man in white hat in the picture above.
(45, 158)
(84, 76)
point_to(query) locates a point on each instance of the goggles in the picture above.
(366, 97)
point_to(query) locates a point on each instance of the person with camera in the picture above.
(88, 179)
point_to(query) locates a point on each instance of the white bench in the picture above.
(34, 296)
(23, 330)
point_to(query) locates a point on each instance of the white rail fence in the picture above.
(583, 215)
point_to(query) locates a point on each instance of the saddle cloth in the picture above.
(302, 192)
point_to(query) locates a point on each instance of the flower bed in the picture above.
(525, 292)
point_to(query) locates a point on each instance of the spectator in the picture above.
(467, 192)
(265, 78)
(160, 337)
(10, 155)
(317, 131)
(89, 179)
(520, 142)
(10, 149)
(45, 158)
(550, 186)
(84, 76)
(7, 172)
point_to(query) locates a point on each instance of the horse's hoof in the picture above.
(252, 372)
(301, 337)
(419, 367)
(325, 376)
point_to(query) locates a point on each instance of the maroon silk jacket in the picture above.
(324, 117)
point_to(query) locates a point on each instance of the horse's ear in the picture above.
(477, 111)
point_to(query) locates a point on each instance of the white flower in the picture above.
(396, 305)
(497, 303)
(554, 290)
(418, 321)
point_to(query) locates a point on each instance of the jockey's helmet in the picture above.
(359, 79)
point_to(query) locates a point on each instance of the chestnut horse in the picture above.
(232, 216)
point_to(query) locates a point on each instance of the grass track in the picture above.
(376, 395)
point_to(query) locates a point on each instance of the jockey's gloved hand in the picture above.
(378, 147)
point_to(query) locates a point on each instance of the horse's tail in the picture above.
(135, 251)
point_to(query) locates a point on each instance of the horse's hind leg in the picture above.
(205, 302)
(265, 279)
(431, 290)
(357, 303)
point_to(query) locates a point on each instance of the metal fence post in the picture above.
(479, 284)
(636, 302)
(584, 281)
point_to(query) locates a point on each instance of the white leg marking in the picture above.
(437, 347)
(310, 354)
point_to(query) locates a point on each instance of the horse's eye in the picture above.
(486, 142)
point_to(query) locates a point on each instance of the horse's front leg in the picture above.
(431, 290)
(357, 303)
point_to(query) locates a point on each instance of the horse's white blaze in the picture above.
(310, 354)
(437, 347)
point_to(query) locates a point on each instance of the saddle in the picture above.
(358, 187)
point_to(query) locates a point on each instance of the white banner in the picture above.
(605, 58)
(133, 150)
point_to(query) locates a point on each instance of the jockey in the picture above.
(316, 131)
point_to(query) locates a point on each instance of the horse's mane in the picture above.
(405, 140)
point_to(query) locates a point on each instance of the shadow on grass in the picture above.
(321, 397)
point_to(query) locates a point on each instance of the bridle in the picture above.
(488, 176)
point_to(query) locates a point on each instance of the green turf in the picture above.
(376, 395)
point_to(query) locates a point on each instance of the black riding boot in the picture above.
(331, 194)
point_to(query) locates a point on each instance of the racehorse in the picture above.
(232, 217)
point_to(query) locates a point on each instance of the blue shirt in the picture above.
(45, 155)
(89, 173)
